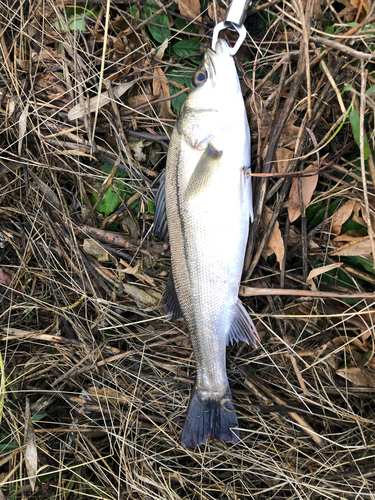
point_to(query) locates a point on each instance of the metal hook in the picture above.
(233, 21)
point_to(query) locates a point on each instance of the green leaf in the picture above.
(77, 23)
(111, 202)
(182, 25)
(76, 17)
(7, 446)
(330, 30)
(351, 225)
(312, 211)
(315, 215)
(182, 76)
(186, 48)
(150, 206)
(371, 90)
(355, 123)
(38, 417)
(159, 25)
(366, 263)
(133, 10)
(347, 88)
(107, 168)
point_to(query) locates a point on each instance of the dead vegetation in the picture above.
(94, 382)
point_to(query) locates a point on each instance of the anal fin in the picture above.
(242, 327)
(170, 300)
(209, 418)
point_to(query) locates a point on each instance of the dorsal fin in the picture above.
(160, 229)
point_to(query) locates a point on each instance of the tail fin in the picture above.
(209, 418)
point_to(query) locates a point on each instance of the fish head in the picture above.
(215, 94)
(216, 79)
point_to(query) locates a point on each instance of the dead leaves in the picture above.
(350, 357)
(283, 158)
(275, 243)
(352, 243)
(358, 376)
(314, 273)
(190, 9)
(308, 187)
(31, 452)
(355, 246)
(89, 106)
(354, 10)
(160, 88)
(5, 278)
(341, 216)
(215, 12)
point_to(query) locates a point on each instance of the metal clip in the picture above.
(233, 21)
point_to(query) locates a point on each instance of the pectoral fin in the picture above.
(203, 172)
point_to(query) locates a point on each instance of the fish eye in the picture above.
(199, 78)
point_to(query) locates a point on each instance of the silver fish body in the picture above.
(208, 205)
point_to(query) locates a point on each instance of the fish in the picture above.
(204, 205)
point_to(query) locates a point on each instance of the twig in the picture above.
(362, 153)
(342, 48)
(121, 241)
(246, 291)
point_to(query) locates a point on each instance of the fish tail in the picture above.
(209, 418)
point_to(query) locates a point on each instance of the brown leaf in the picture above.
(160, 89)
(360, 377)
(292, 118)
(107, 395)
(147, 298)
(358, 213)
(308, 188)
(283, 158)
(348, 14)
(289, 136)
(321, 270)
(294, 236)
(31, 452)
(139, 100)
(190, 9)
(342, 215)
(220, 12)
(275, 243)
(92, 247)
(364, 5)
(259, 118)
(22, 127)
(361, 247)
(47, 192)
(5, 278)
(351, 235)
(82, 109)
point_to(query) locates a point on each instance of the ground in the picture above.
(95, 381)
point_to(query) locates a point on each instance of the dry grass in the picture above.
(87, 354)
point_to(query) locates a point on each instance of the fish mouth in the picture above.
(212, 56)
(221, 46)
